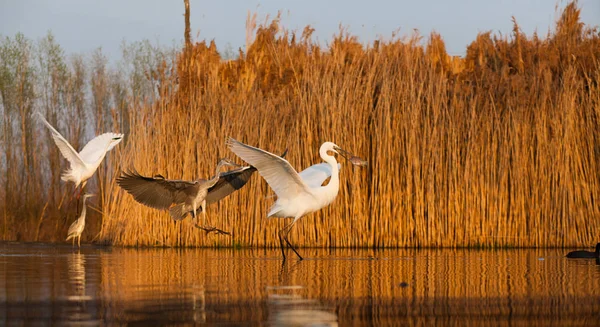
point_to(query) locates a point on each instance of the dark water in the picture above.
(55, 285)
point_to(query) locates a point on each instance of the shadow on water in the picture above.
(47, 285)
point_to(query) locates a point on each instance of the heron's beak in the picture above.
(355, 160)
(231, 163)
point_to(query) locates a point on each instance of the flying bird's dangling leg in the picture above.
(209, 229)
(77, 206)
(194, 216)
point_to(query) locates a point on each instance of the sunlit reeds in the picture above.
(499, 148)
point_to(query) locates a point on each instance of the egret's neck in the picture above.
(334, 182)
(83, 209)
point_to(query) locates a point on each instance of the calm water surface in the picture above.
(56, 285)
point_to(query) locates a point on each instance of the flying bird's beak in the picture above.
(355, 160)
(230, 163)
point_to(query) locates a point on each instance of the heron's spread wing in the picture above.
(96, 148)
(156, 192)
(228, 183)
(278, 172)
(315, 175)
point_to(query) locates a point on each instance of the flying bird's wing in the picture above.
(156, 192)
(97, 147)
(315, 175)
(228, 183)
(65, 147)
(278, 172)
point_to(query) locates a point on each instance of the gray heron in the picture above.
(183, 197)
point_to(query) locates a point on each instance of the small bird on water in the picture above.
(585, 254)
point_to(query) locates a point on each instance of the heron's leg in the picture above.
(79, 241)
(203, 206)
(194, 216)
(209, 229)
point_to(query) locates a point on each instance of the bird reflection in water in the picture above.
(76, 263)
(198, 303)
(76, 310)
(289, 308)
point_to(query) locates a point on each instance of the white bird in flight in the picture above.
(84, 164)
(297, 193)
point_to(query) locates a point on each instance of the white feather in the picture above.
(315, 175)
(65, 147)
(278, 172)
(97, 148)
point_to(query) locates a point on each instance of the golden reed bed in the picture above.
(499, 148)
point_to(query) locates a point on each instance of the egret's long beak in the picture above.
(343, 152)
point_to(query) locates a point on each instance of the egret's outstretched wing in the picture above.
(156, 192)
(315, 175)
(65, 148)
(96, 148)
(228, 183)
(278, 172)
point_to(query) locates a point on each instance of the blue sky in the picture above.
(80, 26)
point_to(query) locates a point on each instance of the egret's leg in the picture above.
(73, 242)
(281, 244)
(79, 241)
(284, 234)
(290, 244)
(74, 193)
(81, 189)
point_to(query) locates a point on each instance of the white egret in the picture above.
(84, 164)
(78, 225)
(297, 193)
(185, 197)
